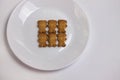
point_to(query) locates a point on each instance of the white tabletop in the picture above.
(100, 59)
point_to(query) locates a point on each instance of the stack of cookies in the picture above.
(54, 36)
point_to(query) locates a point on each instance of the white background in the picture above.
(100, 59)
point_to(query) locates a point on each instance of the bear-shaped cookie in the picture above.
(61, 39)
(62, 24)
(52, 38)
(42, 39)
(52, 24)
(42, 24)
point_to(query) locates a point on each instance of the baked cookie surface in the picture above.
(52, 25)
(61, 37)
(62, 24)
(52, 38)
(42, 39)
(42, 24)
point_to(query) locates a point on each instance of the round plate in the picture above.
(22, 33)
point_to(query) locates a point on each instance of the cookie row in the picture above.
(52, 25)
(51, 39)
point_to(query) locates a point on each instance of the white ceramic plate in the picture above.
(22, 33)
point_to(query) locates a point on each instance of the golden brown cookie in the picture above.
(61, 39)
(62, 24)
(42, 39)
(52, 38)
(42, 24)
(52, 24)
